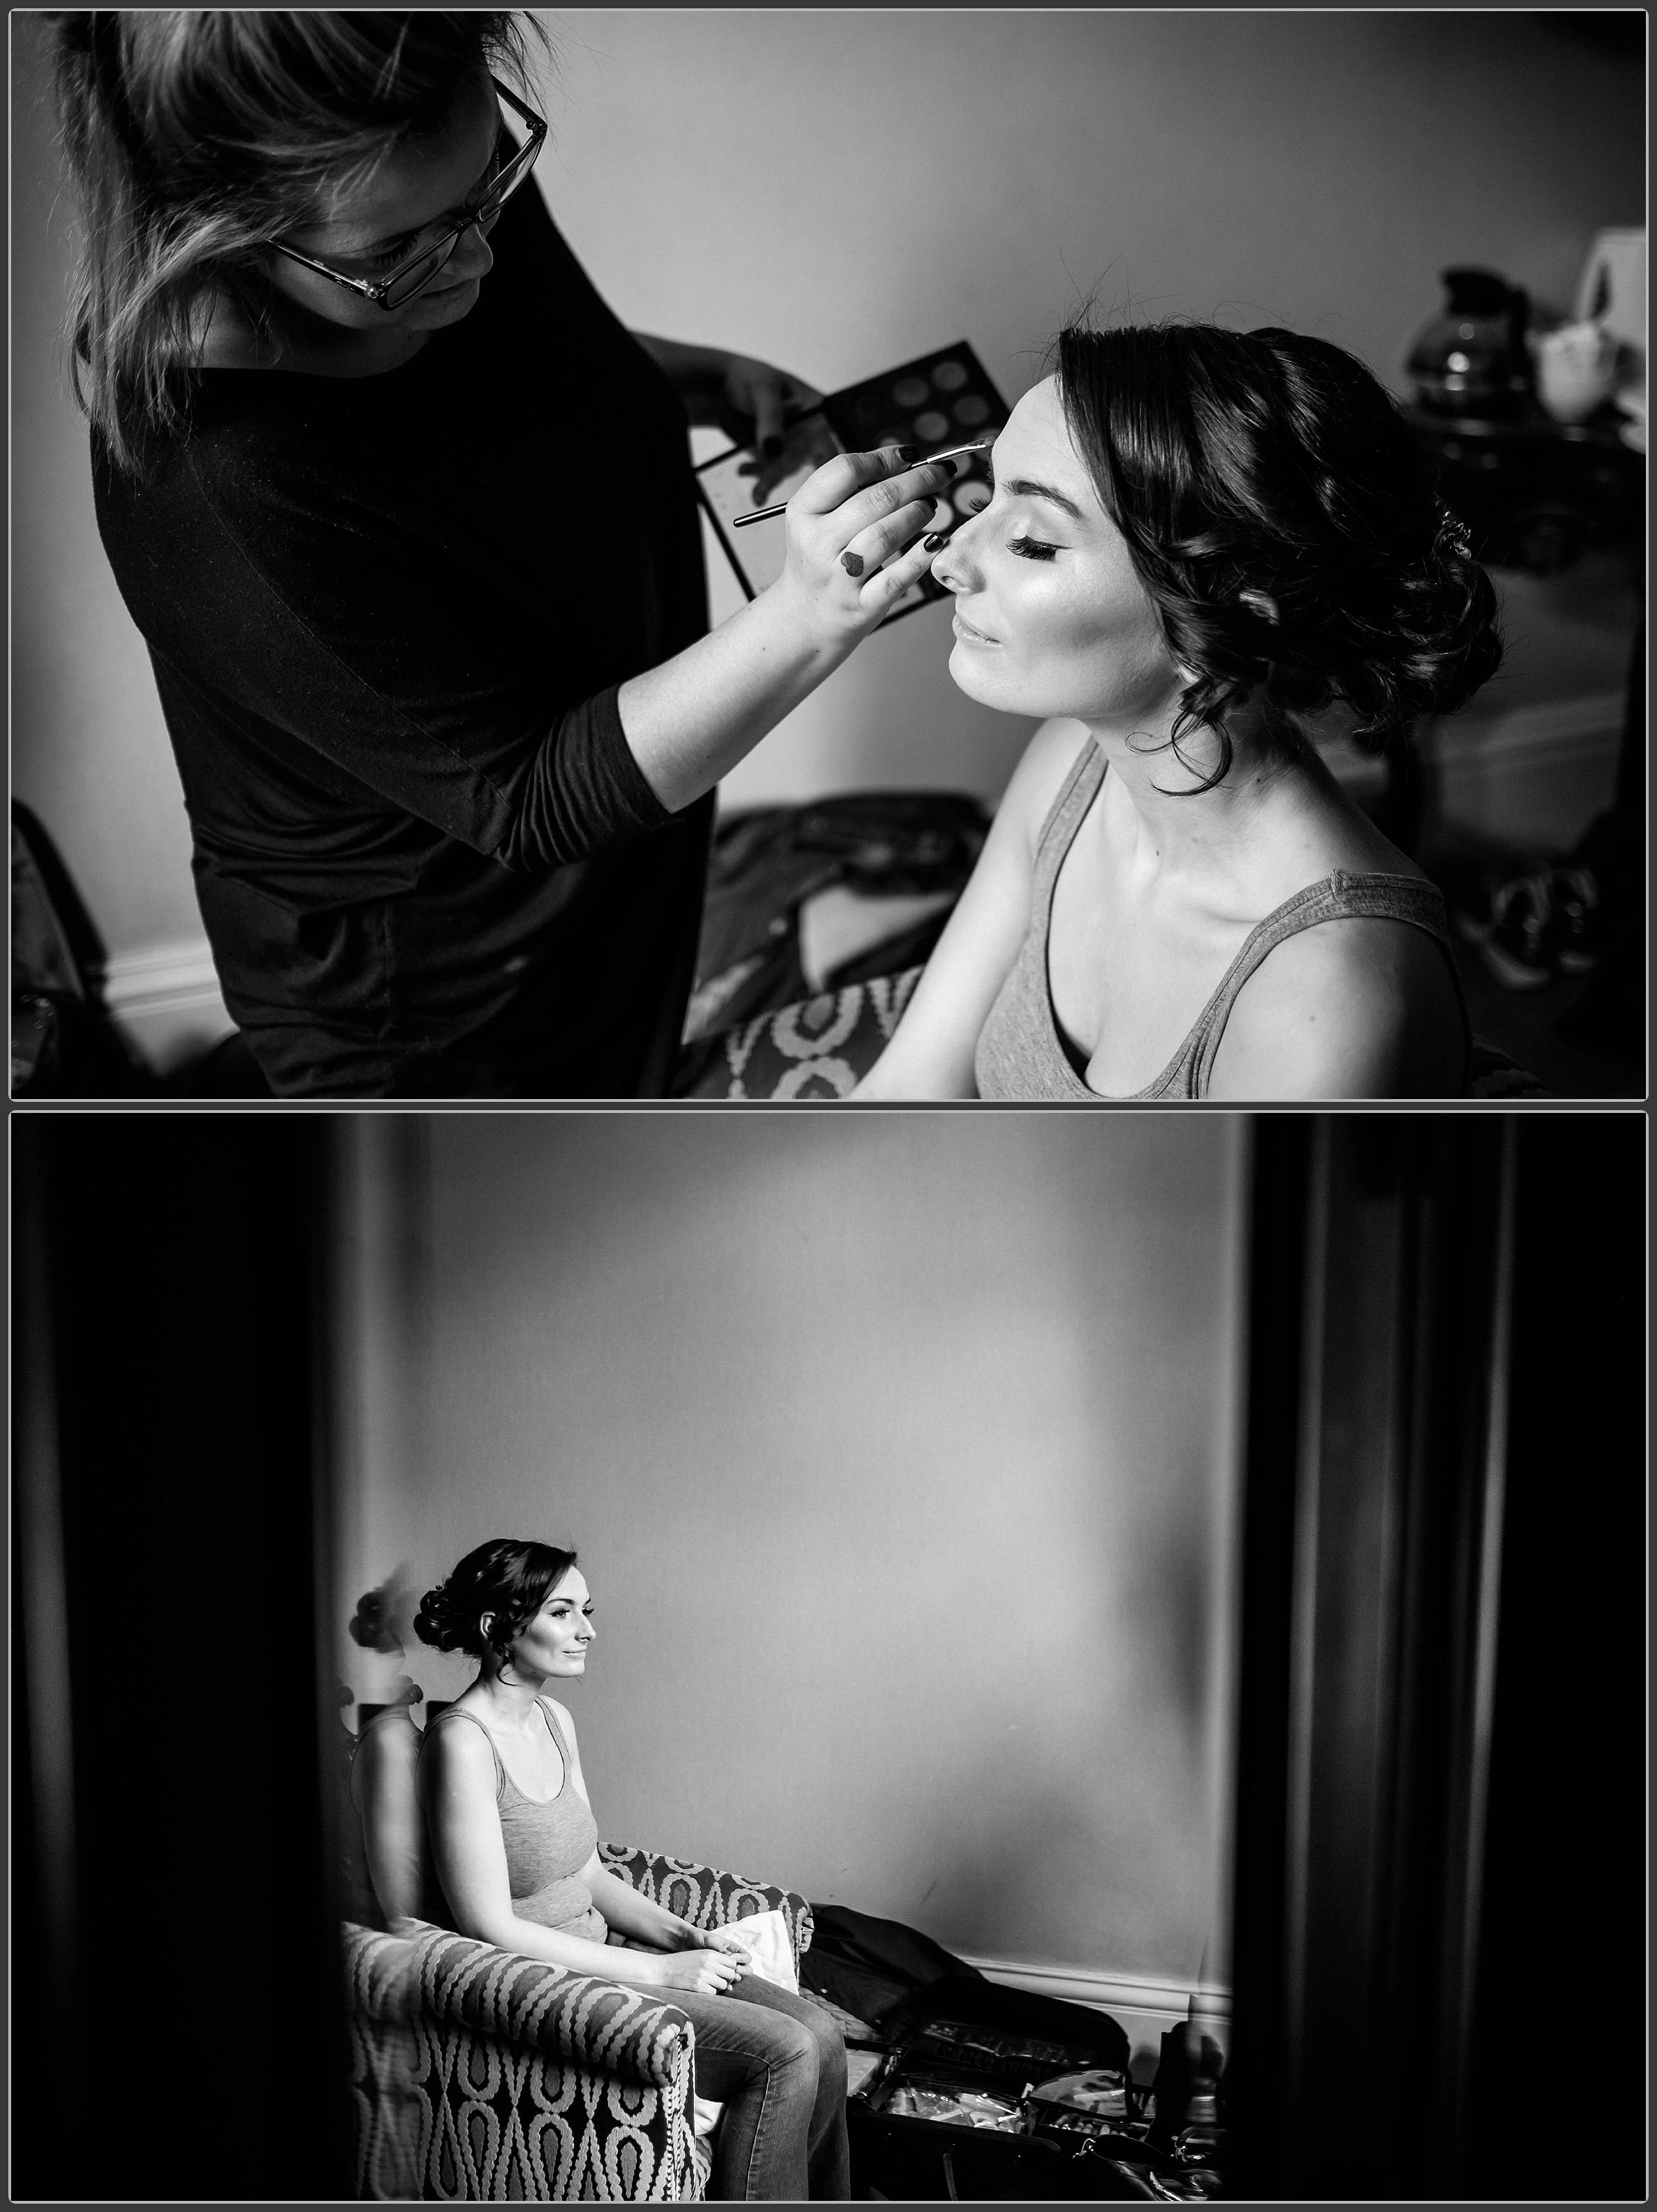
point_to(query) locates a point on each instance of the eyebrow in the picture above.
(1027, 488)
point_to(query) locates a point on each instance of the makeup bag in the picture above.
(947, 2115)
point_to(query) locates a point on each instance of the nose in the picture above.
(471, 257)
(954, 567)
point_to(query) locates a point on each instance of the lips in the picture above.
(965, 630)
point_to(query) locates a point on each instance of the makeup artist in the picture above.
(407, 520)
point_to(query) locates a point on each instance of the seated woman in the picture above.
(1205, 548)
(515, 1847)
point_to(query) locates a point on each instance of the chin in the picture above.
(967, 677)
(989, 684)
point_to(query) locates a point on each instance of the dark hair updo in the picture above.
(509, 1576)
(372, 1624)
(1285, 523)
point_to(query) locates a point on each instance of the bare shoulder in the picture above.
(458, 1752)
(1041, 773)
(1355, 1007)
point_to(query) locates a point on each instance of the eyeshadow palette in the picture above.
(942, 400)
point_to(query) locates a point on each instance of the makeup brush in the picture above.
(953, 452)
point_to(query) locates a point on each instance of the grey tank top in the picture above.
(361, 1902)
(547, 1846)
(1020, 1052)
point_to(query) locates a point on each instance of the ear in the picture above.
(485, 1621)
(1260, 603)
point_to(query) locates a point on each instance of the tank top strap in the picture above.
(558, 1736)
(1335, 897)
(1065, 817)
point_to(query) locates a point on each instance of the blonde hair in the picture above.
(195, 138)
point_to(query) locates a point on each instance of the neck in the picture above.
(512, 1701)
(1179, 823)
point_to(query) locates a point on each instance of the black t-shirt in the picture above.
(388, 617)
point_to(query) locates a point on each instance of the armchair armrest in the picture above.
(581, 2018)
(707, 1896)
(478, 2073)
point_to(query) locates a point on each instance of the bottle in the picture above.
(1188, 2121)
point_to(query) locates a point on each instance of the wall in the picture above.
(836, 191)
(90, 748)
(901, 1453)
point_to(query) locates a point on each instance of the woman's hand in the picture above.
(754, 399)
(689, 721)
(751, 402)
(708, 1971)
(761, 406)
(856, 529)
(716, 1939)
(680, 1935)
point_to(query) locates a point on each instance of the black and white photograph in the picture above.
(991, 1656)
(1248, 706)
(828, 1158)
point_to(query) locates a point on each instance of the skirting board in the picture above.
(1146, 2009)
(165, 999)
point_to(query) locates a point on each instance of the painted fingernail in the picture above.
(771, 447)
(932, 544)
(907, 453)
(853, 563)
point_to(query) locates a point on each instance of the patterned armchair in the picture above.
(478, 2074)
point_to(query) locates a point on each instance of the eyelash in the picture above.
(406, 245)
(1033, 549)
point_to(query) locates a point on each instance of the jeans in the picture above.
(778, 2066)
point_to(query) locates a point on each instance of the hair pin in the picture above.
(1452, 533)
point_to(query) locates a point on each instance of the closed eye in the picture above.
(398, 250)
(1032, 548)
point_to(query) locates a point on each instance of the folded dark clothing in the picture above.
(873, 1966)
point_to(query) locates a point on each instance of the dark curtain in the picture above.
(1439, 1935)
(177, 2008)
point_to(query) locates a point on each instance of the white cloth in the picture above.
(766, 1935)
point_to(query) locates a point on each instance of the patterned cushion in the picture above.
(816, 1048)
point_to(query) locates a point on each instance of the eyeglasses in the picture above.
(416, 270)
